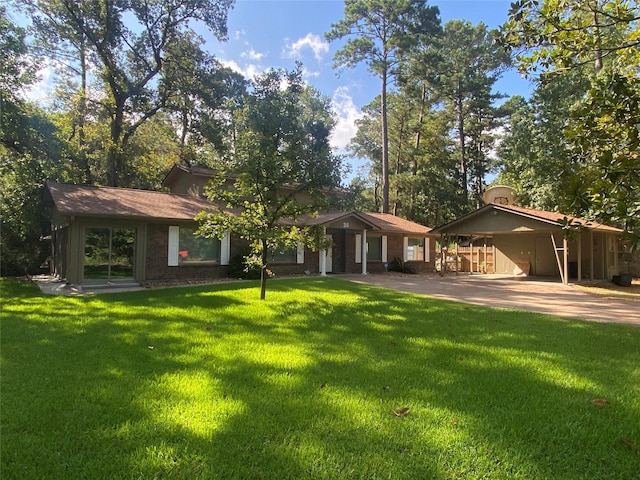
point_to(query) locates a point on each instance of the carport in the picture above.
(538, 243)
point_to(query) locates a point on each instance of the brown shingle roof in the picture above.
(94, 201)
(543, 216)
(555, 217)
(384, 222)
(118, 202)
(392, 224)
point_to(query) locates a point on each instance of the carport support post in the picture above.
(364, 251)
(579, 256)
(323, 256)
(591, 264)
(565, 253)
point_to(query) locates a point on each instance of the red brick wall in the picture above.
(157, 257)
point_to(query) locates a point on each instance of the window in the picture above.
(374, 249)
(194, 249)
(108, 253)
(285, 255)
(415, 249)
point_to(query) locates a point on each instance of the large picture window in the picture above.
(195, 249)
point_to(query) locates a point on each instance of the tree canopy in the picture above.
(282, 167)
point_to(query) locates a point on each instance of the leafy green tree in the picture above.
(29, 148)
(559, 37)
(282, 168)
(134, 46)
(556, 35)
(470, 62)
(381, 32)
(604, 129)
(534, 155)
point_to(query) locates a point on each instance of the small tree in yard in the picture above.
(282, 167)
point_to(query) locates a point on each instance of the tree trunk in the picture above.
(598, 48)
(82, 114)
(114, 152)
(464, 178)
(385, 146)
(263, 271)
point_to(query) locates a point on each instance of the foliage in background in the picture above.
(142, 54)
(599, 39)
(380, 33)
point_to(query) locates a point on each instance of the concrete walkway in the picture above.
(515, 293)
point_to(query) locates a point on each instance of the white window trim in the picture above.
(358, 248)
(384, 248)
(225, 249)
(300, 254)
(174, 240)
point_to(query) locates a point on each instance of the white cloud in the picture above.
(41, 92)
(251, 54)
(319, 46)
(306, 74)
(249, 71)
(347, 113)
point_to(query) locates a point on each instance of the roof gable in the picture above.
(493, 218)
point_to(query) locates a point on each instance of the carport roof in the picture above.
(545, 218)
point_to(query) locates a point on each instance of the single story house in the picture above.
(525, 241)
(111, 235)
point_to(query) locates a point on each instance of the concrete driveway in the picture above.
(515, 293)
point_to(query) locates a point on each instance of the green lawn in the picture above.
(208, 382)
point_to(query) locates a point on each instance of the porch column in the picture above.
(323, 256)
(364, 251)
(591, 264)
(565, 253)
(579, 256)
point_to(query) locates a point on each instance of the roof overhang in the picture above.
(493, 219)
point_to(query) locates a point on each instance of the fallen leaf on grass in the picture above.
(401, 412)
(208, 329)
(600, 402)
(392, 343)
(322, 385)
(454, 422)
(628, 443)
(150, 347)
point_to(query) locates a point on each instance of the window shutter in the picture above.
(405, 249)
(427, 251)
(384, 248)
(225, 249)
(300, 257)
(358, 248)
(174, 241)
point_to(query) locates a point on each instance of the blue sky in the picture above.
(277, 33)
